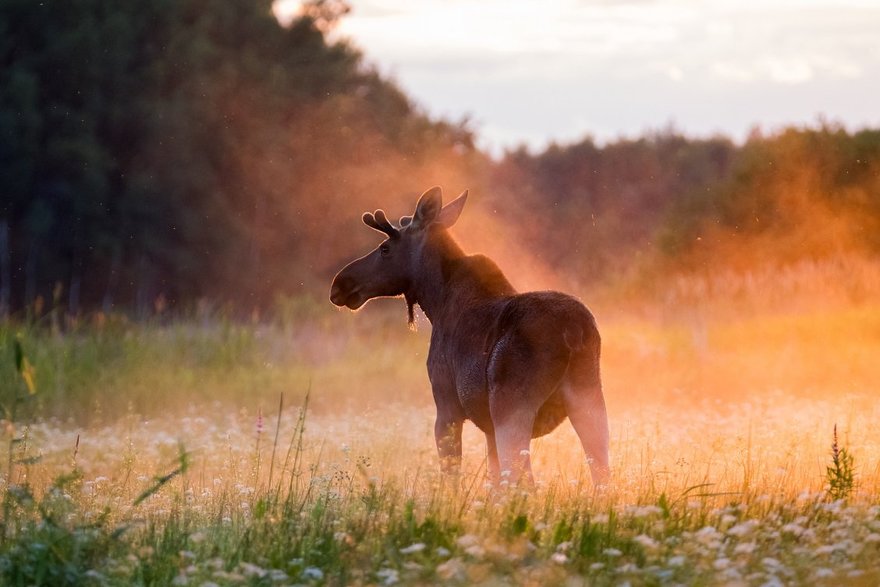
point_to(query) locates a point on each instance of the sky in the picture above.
(558, 70)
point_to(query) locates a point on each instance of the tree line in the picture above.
(169, 151)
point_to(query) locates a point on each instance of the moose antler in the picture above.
(378, 221)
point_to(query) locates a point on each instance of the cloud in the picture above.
(787, 71)
(528, 69)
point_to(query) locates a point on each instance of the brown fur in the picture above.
(514, 364)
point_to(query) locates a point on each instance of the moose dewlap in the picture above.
(515, 364)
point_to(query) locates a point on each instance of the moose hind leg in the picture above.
(513, 435)
(586, 410)
(492, 458)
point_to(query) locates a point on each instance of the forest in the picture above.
(163, 153)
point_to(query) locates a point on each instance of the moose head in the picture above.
(392, 268)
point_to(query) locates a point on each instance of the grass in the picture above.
(194, 473)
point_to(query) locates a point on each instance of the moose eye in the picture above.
(384, 250)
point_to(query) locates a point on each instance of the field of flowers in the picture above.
(203, 452)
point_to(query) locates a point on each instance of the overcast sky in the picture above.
(535, 71)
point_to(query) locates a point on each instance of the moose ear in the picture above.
(451, 211)
(428, 208)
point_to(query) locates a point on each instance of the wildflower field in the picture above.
(299, 450)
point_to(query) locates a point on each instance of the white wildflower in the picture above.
(563, 546)
(559, 558)
(731, 575)
(743, 528)
(413, 548)
(721, 563)
(277, 575)
(644, 511)
(475, 551)
(646, 541)
(745, 548)
(855, 573)
(451, 569)
(252, 570)
(597, 566)
(343, 538)
(677, 561)
(388, 576)
(312, 573)
(708, 536)
(612, 552)
(442, 552)
(197, 537)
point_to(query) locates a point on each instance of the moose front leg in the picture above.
(447, 433)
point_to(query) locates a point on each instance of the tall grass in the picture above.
(300, 450)
(347, 506)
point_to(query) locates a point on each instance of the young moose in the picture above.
(514, 364)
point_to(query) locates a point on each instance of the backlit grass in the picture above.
(156, 454)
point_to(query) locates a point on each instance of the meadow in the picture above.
(298, 448)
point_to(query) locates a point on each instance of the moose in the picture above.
(514, 364)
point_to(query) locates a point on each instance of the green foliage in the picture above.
(590, 208)
(50, 540)
(173, 148)
(158, 153)
(840, 474)
(161, 480)
(803, 193)
(324, 515)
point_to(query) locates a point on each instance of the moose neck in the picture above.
(432, 287)
(448, 281)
